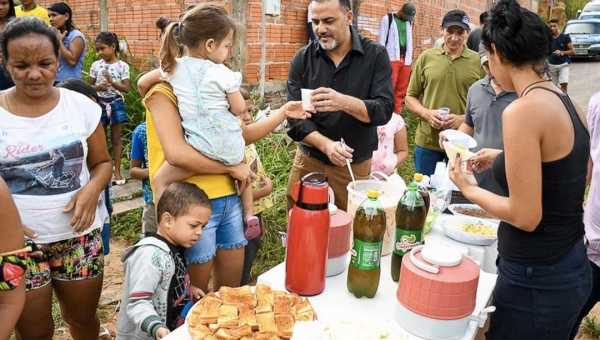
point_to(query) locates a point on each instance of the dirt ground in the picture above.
(113, 280)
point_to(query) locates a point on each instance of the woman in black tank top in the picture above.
(543, 272)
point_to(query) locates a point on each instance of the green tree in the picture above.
(572, 6)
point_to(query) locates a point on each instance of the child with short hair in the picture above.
(156, 293)
(139, 170)
(261, 191)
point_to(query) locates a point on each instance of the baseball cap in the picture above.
(456, 17)
(410, 10)
(482, 54)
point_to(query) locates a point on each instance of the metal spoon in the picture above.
(348, 162)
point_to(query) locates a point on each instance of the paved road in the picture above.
(584, 81)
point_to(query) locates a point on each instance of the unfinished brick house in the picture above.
(284, 34)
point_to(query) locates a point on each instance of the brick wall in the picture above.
(134, 19)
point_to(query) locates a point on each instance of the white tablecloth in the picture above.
(336, 303)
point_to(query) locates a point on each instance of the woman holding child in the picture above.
(36, 117)
(222, 243)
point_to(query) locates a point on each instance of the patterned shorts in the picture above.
(74, 259)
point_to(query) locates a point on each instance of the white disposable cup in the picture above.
(306, 100)
(444, 112)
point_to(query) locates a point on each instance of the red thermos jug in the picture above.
(308, 236)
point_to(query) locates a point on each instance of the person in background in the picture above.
(105, 201)
(396, 35)
(353, 94)
(110, 77)
(72, 41)
(7, 13)
(12, 267)
(486, 101)
(592, 209)
(441, 77)
(559, 62)
(30, 8)
(156, 292)
(63, 219)
(139, 170)
(544, 276)
(261, 191)
(393, 146)
(309, 25)
(475, 36)
(439, 41)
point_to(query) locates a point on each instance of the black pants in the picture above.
(251, 251)
(591, 301)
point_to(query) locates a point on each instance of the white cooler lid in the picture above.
(443, 256)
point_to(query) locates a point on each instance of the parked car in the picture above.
(589, 7)
(585, 36)
(590, 15)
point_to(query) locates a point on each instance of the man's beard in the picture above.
(328, 46)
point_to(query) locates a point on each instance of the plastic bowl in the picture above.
(452, 226)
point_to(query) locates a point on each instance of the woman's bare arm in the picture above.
(11, 302)
(523, 162)
(177, 152)
(72, 54)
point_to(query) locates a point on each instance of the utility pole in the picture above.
(103, 16)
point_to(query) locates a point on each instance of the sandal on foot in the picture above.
(119, 181)
(105, 334)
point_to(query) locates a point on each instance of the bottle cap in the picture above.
(418, 177)
(412, 186)
(372, 194)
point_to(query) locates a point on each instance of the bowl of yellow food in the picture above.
(470, 230)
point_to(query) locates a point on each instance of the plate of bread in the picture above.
(247, 313)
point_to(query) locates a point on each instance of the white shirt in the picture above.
(592, 206)
(393, 42)
(42, 180)
(217, 81)
(201, 84)
(118, 71)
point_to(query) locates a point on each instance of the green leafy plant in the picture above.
(592, 326)
(572, 6)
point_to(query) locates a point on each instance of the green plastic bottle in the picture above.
(410, 221)
(369, 228)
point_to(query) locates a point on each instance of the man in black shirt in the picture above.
(351, 76)
(475, 35)
(560, 61)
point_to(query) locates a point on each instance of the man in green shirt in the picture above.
(441, 78)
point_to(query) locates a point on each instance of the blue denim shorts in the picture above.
(225, 229)
(117, 107)
(541, 302)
